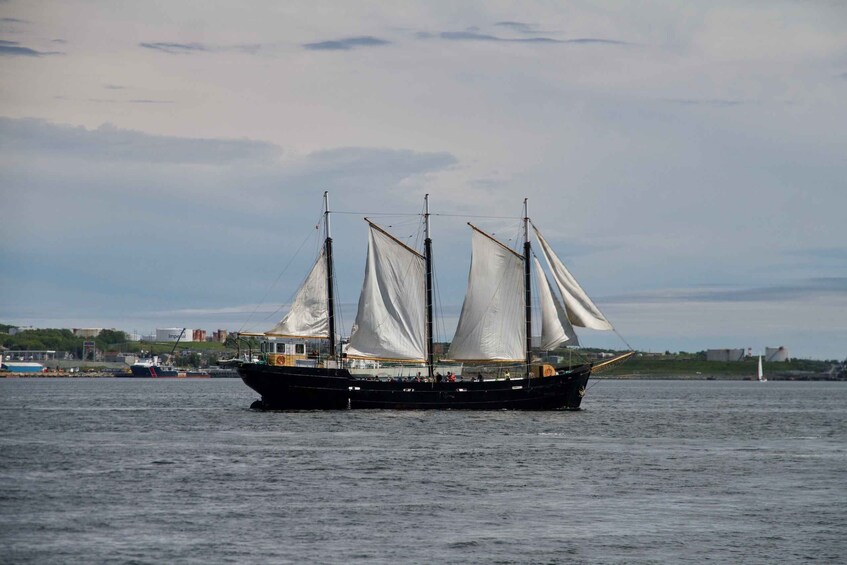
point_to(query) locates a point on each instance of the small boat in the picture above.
(394, 324)
(761, 374)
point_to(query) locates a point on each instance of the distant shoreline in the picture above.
(717, 377)
(794, 376)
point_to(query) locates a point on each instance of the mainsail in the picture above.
(581, 310)
(555, 327)
(390, 322)
(492, 324)
(308, 317)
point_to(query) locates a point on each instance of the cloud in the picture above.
(131, 101)
(518, 26)
(810, 288)
(13, 48)
(108, 143)
(176, 48)
(471, 35)
(826, 253)
(346, 44)
(716, 102)
(192, 48)
(13, 25)
(149, 101)
(149, 202)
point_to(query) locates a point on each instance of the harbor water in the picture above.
(181, 471)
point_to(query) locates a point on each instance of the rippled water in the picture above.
(158, 471)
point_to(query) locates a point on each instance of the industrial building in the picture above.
(173, 334)
(87, 332)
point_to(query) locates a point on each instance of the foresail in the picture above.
(391, 319)
(555, 327)
(492, 323)
(309, 314)
(581, 310)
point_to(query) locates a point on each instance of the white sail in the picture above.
(492, 323)
(581, 311)
(391, 320)
(761, 373)
(309, 315)
(555, 327)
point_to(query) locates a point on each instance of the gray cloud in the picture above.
(176, 48)
(191, 48)
(13, 21)
(370, 162)
(827, 253)
(719, 102)
(13, 48)
(815, 287)
(217, 194)
(149, 101)
(475, 36)
(813, 257)
(597, 40)
(108, 143)
(131, 101)
(346, 44)
(518, 26)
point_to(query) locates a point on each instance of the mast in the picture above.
(527, 286)
(428, 259)
(330, 299)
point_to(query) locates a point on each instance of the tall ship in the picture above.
(394, 328)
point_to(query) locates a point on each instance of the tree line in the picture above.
(59, 340)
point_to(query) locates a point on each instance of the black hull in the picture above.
(303, 388)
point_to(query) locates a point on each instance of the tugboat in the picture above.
(151, 368)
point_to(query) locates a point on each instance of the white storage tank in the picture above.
(724, 355)
(776, 354)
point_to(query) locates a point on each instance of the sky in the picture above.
(162, 163)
